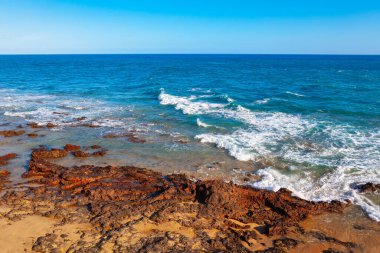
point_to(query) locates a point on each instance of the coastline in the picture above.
(54, 207)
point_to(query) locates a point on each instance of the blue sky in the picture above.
(191, 26)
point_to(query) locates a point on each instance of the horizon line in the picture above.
(285, 54)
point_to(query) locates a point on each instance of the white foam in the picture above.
(295, 94)
(355, 161)
(228, 99)
(202, 124)
(235, 146)
(334, 185)
(262, 101)
(187, 105)
(351, 154)
(60, 110)
(205, 125)
(200, 90)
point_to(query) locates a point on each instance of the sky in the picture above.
(191, 26)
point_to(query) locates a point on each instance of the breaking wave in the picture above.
(324, 159)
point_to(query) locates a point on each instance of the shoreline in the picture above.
(124, 208)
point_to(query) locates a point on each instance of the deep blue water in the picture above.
(310, 123)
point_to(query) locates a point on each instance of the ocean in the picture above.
(304, 122)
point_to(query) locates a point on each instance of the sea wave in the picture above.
(205, 125)
(262, 101)
(187, 104)
(61, 111)
(351, 155)
(295, 94)
(335, 185)
(202, 124)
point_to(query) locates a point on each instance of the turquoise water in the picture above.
(307, 123)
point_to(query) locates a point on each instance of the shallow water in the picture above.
(307, 123)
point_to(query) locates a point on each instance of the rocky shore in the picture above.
(93, 208)
(128, 209)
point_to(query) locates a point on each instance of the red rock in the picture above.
(34, 125)
(100, 153)
(3, 177)
(109, 136)
(4, 160)
(81, 154)
(4, 173)
(33, 135)
(276, 211)
(130, 136)
(135, 139)
(95, 147)
(71, 147)
(50, 125)
(12, 133)
(114, 199)
(53, 153)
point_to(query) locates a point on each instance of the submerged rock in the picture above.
(43, 153)
(80, 118)
(71, 147)
(369, 188)
(81, 154)
(34, 125)
(4, 160)
(12, 133)
(32, 135)
(102, 152)
(50, 125)
(131, 136)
